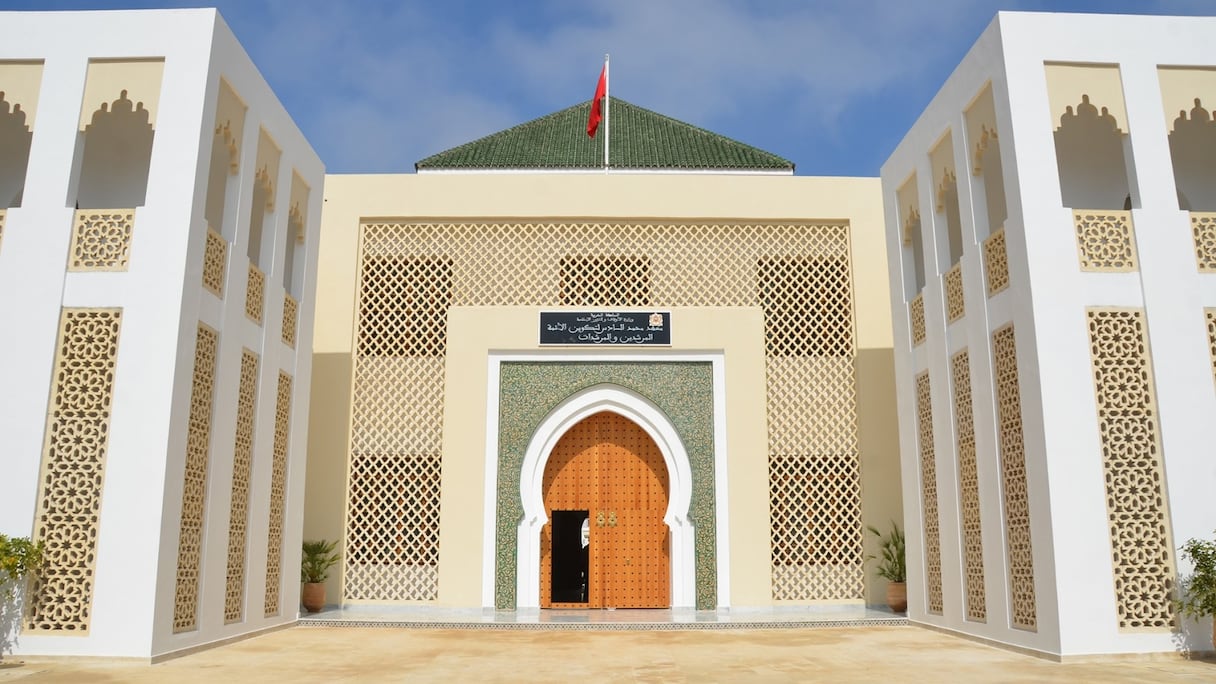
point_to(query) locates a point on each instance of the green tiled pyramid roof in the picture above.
(641, 139)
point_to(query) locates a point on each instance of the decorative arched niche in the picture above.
(117, 128)
(540, 400)
(641, 411)
(1093, 153)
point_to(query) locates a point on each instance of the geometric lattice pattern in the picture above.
(916, 314)
(392, 545)
(404, 306)
(928, 486)
(814, 471)
(194, 486)
(1106, 241)
(1013, 480)
(1210, 316)
(1141, 549)
(291, 310)
(969, 489)
(101, 241)
(255, 294)
(215, 258)
(808, 306)
(605, 281)
(806, 562)
(1203, 231)
(996, 263)
(413, 272)
(67, 514)
(278, 489)
(955, 308)
(238, 508)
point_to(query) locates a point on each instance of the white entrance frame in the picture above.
(634, 407)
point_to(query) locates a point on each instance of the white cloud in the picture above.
(378, 85)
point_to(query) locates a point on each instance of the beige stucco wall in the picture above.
(352, 198)
(141, 79)
(1066, 83)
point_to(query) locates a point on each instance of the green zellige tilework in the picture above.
(530, 390)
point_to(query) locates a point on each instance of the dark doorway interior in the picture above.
(570, 558)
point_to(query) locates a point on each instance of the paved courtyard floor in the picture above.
(383, 654)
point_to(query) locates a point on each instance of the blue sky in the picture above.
(377, 85)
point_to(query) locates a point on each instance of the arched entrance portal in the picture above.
(655, 423)
(605, 493)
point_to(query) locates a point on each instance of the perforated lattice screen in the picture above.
(291, 311)
(996, 263)
(1013, 480)
(1210, 316)
(1106, 241)
(215, 260)
(605, 281)
(238, 510)
(411, 273)
(928, 491)
(955, 303)
(255, 294)
(969, 488)
(68, 512)
(916, 318)
(1137, 509)
(101, 240)
(278, 493)
(194, 487)
(1203, 232)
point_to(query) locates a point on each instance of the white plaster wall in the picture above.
(1047, 301)
(149, 294)
(237, 332)
(1167, 286)
(162, 301)
(946, 114)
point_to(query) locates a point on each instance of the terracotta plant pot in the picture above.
(897, 596)
(313, 596)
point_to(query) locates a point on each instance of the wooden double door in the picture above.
(606, 545)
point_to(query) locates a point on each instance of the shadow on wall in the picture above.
(1194, 637)
(12, 607)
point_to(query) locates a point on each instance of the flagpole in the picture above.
(607, 136)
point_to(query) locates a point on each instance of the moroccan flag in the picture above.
(597, 115)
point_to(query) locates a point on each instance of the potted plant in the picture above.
(319, 556)
(892, 566)
(1198, 590)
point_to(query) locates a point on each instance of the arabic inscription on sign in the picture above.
(605, 328)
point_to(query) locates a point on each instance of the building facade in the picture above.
(526, 381)
(1053, 332)
(441, 417)
(159, 215)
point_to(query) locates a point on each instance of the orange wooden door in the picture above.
(610, 467)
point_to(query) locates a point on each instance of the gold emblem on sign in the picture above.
(656, 320)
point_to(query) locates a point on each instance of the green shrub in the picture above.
(1198, 595)
(19, 558)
